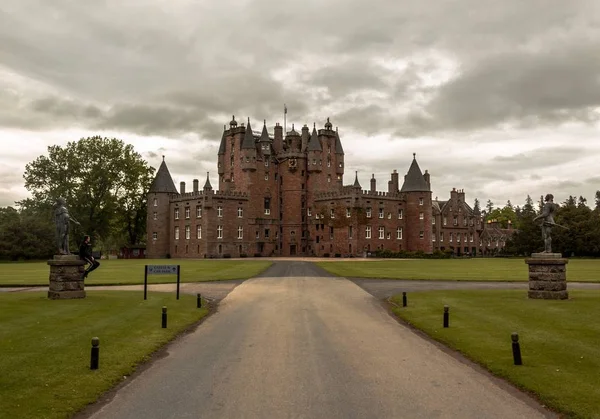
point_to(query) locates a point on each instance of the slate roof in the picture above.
(163, 182)
(264, 136)
(356, 183)
(207, 185)
(248, 142)
(222, 146)
(338, 144)
(314, 144)
(414, 180)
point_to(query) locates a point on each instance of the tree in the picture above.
(104, 182)
(597, 207)
(489, 206)
(24, 235)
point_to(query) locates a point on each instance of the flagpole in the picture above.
(284, 120)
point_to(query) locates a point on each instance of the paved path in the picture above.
(294, 343)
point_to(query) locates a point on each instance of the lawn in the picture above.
(559, 340)
(45, 346)
(488, 269)
(131, 271)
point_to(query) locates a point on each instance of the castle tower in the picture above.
(158, 222)
(221, 153)
(418, 209)
(339, 158)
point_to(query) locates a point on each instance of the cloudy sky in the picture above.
(500, 98)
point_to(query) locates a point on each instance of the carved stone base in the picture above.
(65, 277)
(547, 276)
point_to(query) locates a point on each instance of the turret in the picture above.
(158, 217)
(248, 150)
(293, 140)
(265, 142)
(418, 209)
(356, 182)
(314, 151)
(221, 154)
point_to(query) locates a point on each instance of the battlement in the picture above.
(190, 196)
(352, 192)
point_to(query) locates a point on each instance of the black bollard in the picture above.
(403, 299)
(516, 348)
(164, 317)
(446, 316)
(199, 301)
(95, 358)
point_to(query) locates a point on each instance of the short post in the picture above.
(95, 358)
(516, 349)
(446, 316)
(404, 299)
(146, 282)
(164, 317)
(199, 301)
(178, 280)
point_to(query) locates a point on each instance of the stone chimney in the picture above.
(394, 185)
(195, 185)
(373, 183)
(182, 188)
(427, 178)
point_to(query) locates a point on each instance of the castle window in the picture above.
(231, 177)
(465, 221)
(240, 232)
(441, 236)
(350, 232)
(266, 233)
(348, 213)
(187, 232)
(330, 233)
(219, 211)
(400, 214)
(219, 232)
(339, 177)
(455, 221)
(471, 222)
(369, 212)
(368, 232)
(240, 212)
(198, 212)
(155, 216)
(341, 164)
(421, 216)
(432, 220)
(450, 239)
(309, 212)
(247, 159)
(266, 162)
(155, 236)
(420, 201)
(267, 206)
(381, 232)
(458, 237)
(328, 149)
(155, 202)
(421, 234)
(388, 236)
(471, 238)
(399, 233)
(328, 162)
(433, 237)
(177, 213)
(332, 213)
(176, 233)
(389, 215)
(445, 221)
(328, 178)
(232, 161)
(314, 161)
(257, 234)
(199, 232)
(380, 212)
(187, 213)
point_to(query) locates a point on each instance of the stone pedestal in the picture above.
(547, 276)
(65, 277)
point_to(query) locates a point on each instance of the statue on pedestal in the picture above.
(548, 216)
(62, 220)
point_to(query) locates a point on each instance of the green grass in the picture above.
(489, 269)
(131, 271)
(559, 340)
(45, 346)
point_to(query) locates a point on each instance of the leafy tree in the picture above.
(489, 206)
(104, 182)
(24, 235)
(597, 207)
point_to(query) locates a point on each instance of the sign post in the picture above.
(161, 270)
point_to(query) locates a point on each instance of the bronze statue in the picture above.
(548, 215)
(62, 220)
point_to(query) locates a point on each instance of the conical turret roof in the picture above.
(338, 143)
(248, 142)
(207, 185)
(222, 146)
(314, 144)
(356, 183)
(414, 180)
(163, 182)
(264, 136)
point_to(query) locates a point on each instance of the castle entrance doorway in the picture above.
(292, 250)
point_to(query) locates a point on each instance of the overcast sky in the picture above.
(500, 98)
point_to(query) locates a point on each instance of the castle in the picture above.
(283, 196)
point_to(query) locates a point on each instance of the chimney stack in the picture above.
(195, 185)
(373, 183)
(182, 188)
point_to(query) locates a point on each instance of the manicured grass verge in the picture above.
(559, 340)
(489, 269)
(127, 272)
(45, 346)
